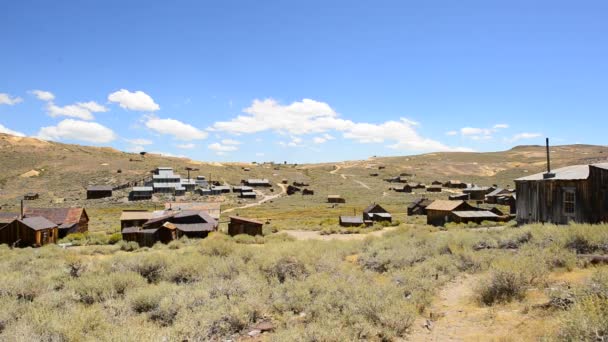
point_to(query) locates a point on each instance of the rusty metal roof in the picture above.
(59, 216)
(444, 205)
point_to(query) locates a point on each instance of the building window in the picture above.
(569, 202)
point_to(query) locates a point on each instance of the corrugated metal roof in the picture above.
(195, 227)
(38, 223)
(57, 215)
(130, 230)
(381, 214)
(143, 189)
(474, 214)
(99, 188)
(573, 172)
(351, 219)
(444, 205)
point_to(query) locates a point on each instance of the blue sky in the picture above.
(304, 81)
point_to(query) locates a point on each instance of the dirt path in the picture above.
(337, 168)
(265, 198)
(362, 184)
(455, 315)
(316, 235)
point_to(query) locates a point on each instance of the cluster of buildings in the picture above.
(373, 213)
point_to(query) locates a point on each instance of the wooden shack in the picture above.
(440, 212)
(240, 225)
(477, 193)
(434, 188)
(492, 197)
(32, 231)
(308, 192)
(99, 191)
(31, 196)
(292, 190)
(134, 218)
(418, 206)
(257, 182)
(141, 193)
(248, 194)
(406, 188)
(374, 212)
(68, 220)
(475, 216)
(6, 218)
(335, 199)
(577, 193)
(455, 184)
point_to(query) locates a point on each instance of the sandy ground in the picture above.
(315, 235)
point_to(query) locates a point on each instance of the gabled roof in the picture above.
(37, 223)
(372, 207)
(59, 216)
(573, 172)
(242, 219)
(194, 227)
(136, 215)
(498, 191)
(444, 205)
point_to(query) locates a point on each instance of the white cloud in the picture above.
(178, 129)
(136, 101)
(136, 149)
(43, 95)
(9, 100)
(79, 110)
(222, 148)
(310, 116)
(140, 141)
(6, 130)
(501, 126)
(451, 133)
(70, 129)
(322, 139)
(168, 154)
(186, 146)
(475, 133)
(523, 136)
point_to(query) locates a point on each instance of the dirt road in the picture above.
(265, 198)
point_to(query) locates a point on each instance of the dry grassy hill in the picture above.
(61, 172)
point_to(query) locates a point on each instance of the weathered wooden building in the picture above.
(440, 212)
(257, 182)
(308, 192)
(68, 220)
(476, 216)
(99, 191)
(141, 193)
(32, 231)
(434, 188)
(374, 212)
(492, 197)
(351, 221)
(6, 218)
(577, 193)
(292, 190)
(455, 184)
(418, 206)
(239, 225)
(477, 193)
(335, 199)
(31, 196)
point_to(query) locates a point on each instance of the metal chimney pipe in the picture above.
(22, 212)
(548, 158)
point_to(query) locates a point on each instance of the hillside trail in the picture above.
(455, 315)
(265, 198)
(338, 168)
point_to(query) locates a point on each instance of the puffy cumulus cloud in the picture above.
(6, 130)
(136, 101)
(186, 146)
(303, 117)
(179, 130)
(524, 136)
(6, 99)
(402, 132)
(79, 110)
(314, 117)
(43, 95)
(218, 147)
(70, 129)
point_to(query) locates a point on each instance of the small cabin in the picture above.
(31, 196)
(248, 194)
(68, 220)
(308, 192)
(32, 231)
(239, 225)
(418, 206)
(475, 216)
(351, 221)
(257, 182)
(99, 191)
(434, 188)
(141, 193)
(440, 212)
(292, 190)
(335, 199)
(376, 213)
(492, 197)
(476, 193)
(577, 193)
(455, 184)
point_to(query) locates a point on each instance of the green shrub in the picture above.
(115, 238)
